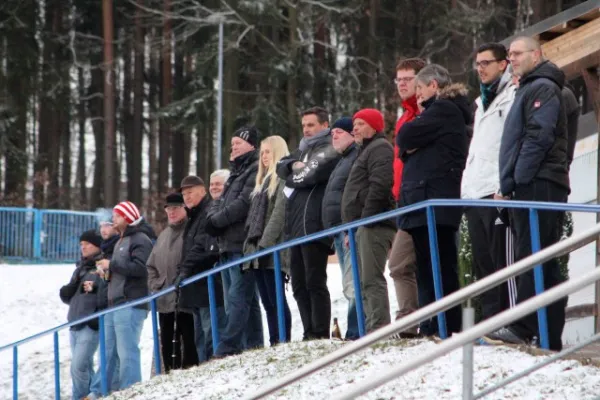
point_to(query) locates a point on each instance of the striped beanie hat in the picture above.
(129, 211)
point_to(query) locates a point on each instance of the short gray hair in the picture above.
(220, 173)
(434, 72)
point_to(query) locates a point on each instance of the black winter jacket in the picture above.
(332, 199)
(573, 110)
(200, 253)
(303, 207)
(368, 190)
(81, 304)
(534, 142)
(227, 216)
(128, 272)
(434, 149)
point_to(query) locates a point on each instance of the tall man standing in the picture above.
(403, 262)
(368, 192)
(306, 172)
(343, 143)
(481, 178)
(534, 167)
(226, 220)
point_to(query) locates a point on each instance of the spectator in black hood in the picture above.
(433, 147)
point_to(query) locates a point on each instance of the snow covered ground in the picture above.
(29, 303)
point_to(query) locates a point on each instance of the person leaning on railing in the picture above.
(84, 294)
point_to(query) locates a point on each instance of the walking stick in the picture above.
(175, 333)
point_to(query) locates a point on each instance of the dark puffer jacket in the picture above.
(303, 207)
(434, 150)
(81, 303)
(368, 190)
(227, 216)
(534, 143)
(200, 253)
(332, 199)
(128, 272)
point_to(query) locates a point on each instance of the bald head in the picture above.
(525, 53)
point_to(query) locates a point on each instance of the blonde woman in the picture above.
(264, 228)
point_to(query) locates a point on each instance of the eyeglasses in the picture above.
(484, 63)
(517, 53)
(408, 79)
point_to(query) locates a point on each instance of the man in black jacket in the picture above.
(433, 147)
(127, 280)
(199, 254)
(306, 172)
(368, 192)
(534, 167)
(343, 143)
(226, 220)
(84, 294)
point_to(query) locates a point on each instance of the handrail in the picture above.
(479, 330)
(447, 302)
(319, 235)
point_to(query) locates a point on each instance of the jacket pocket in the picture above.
(413, 192)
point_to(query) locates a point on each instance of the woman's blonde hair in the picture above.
(279, 149)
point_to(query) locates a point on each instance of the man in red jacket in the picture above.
(402, 262)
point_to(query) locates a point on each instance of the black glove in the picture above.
(178, 280)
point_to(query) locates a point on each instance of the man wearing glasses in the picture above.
(481, 178)
(534, 167)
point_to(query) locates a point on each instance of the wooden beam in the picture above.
(577, 46)
(581, 311)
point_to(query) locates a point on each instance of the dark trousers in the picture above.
(550, 233)
(309, 284)
(265, 280)
(488, 243)
(448, 252)
(185, 336)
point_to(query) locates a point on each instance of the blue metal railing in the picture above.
(428, 205)
(30, 234)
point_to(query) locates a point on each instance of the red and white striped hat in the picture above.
(129, 211)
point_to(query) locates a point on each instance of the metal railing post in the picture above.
(155, 337)
(15, 373)
(435, 267)
(37, 233)
(214, 317)
(538, 276)
(281, 323)
(468, 320)
(56, 368)
(356, 281)
(103, 379)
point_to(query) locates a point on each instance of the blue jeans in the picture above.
(265, 280)
(344, 259)
(123, 330)
(244, 321)
(203, 331)
(84, 343)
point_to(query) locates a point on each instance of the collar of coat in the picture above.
(192, 212)
(411, 105)
(367, 142)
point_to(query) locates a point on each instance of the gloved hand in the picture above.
(178, 280)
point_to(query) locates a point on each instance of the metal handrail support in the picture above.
(536, 367)
(460, 339)
(447, 302)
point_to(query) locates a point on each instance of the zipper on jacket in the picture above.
(305, 208)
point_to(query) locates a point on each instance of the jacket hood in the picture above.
(546, 70)
(144, 227)
(505, 80)
(457, 93)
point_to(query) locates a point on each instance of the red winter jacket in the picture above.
(411, 110)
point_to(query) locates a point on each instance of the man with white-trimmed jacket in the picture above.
(490, 237)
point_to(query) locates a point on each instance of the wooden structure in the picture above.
(571, 40)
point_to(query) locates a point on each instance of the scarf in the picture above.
(488, 93)
(306, 143)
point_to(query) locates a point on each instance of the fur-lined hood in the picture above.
(454, 90)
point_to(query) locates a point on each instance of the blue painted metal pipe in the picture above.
(15, 373)
(356, 281)
(56, 368)
(214, 317)
(155, 337)
(103, 378)
(435, 267)
(538, 276)
(279, 296)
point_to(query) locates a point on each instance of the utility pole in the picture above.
(109, 106)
